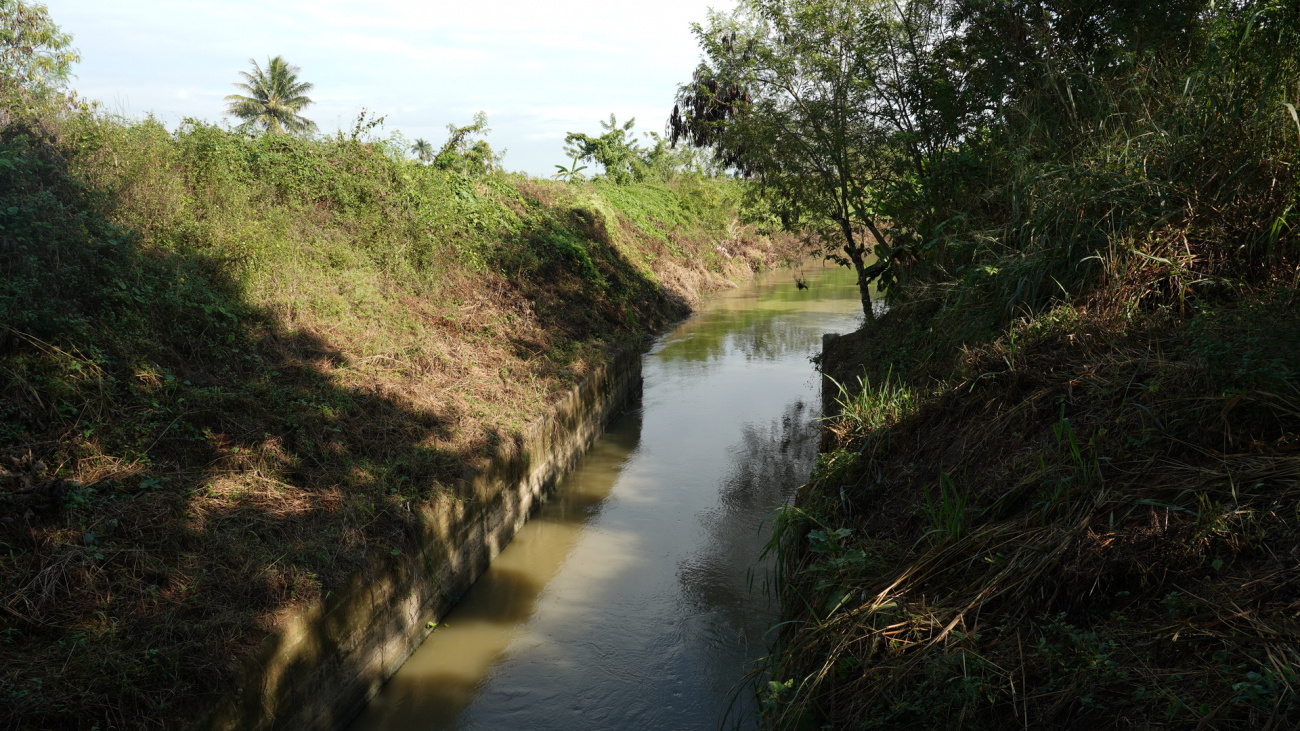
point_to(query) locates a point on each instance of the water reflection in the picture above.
(723, 581)
(634, 598)
(440, 679)
(756, 321)
(770, 461)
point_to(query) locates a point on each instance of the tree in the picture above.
(625, 160)
(464, 154)
(274, 98)
(616, 150)
(810, 99)
(35, 56)
(423, 150)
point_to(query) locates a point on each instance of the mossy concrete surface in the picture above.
(321, 667)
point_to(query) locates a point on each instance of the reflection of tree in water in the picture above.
(725, 582)
(773, 339)
(778, 320)
(760, 335)
(768, 464)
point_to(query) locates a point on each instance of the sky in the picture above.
(539, 69)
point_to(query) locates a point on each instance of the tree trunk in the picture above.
(864, 287)
(860, 265)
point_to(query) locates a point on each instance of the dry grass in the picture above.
(1119, 544)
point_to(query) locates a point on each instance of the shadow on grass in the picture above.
(180, 469)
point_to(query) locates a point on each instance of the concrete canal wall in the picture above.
(320, 668)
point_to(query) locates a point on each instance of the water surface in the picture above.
(634, 599)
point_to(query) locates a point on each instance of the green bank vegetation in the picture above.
(233, 366)
(1063, 489)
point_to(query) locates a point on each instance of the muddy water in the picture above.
(634, 599)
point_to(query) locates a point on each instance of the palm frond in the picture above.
(275, 98)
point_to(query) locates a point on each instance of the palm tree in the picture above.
(423, 150)
(275, 96)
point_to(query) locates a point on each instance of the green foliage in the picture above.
(616, 150)
(463, 154)
(274, 98)
(1027, 153)
(946, 510)
(1148, 153)
(624, 161)
(571, 247)
(35, 55)
(570, 174)
(872, 408)
(838, 563)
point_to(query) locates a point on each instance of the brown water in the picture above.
(635, 599)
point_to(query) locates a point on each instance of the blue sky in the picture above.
(539, 69)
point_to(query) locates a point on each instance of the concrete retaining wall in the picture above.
(318, 670)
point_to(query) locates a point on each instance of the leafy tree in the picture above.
(665, 161)
(616, 150)
(462, 153)
(274, 98)
(625, 160)
(788, 94)
(423, 150)
(35, 56)
(838, 110)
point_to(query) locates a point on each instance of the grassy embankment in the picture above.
(231, 366)
(1065, 492)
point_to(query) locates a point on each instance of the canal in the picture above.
(635, 598)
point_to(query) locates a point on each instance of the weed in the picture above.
(870, 408)
(946, 510)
